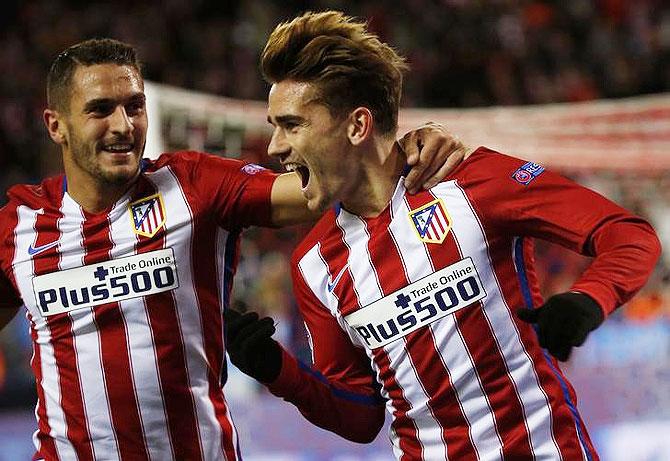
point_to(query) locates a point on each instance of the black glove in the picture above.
(250, 345)
(564, 321)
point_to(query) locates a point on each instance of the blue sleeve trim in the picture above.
(374, 400)
(528, 299)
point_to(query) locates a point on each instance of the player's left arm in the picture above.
(432, 153)
(545, 205)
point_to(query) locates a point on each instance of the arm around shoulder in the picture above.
(289, 206)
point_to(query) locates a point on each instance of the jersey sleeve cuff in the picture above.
(289, 376)
(596, 292)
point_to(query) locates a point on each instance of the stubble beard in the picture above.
(86, 158)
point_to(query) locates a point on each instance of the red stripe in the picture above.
(434, 375)
(208, 300)
(492, 370)
(62, 340)
(420, 345)
(115, 357)
(171, 356)
(402, 425)
(47, 448)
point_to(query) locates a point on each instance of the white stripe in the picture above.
(179, 222)
(87, 341)
(315, 273)
(458, 361)
(429, 431)
(141, 347)
(366, 282)
(468, 231)
(25, 235)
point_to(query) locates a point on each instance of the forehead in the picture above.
(102, 81)
(290, 97)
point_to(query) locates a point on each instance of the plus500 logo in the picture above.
(110, 281)
(416, 305)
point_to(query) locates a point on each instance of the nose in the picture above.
(120, 123)
(279, 146)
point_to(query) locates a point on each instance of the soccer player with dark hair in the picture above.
(412, 302)
(125, 267)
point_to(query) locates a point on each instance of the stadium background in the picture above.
(492, 71)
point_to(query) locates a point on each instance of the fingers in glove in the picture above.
(234, 321)
(255, 334)
(561, 353)
(250, 332)
(527, 315)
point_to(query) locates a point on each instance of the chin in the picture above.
(119, 176)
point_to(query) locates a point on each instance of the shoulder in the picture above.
(49, 192)
(321, 229)
(189, 161)
(485, 164)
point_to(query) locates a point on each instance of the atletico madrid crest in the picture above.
(147, 215)
(431, 221)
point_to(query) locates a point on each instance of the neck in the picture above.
(97, 197)
(381, 167)
(93, 195)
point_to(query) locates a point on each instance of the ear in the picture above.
(360, 126)
(55, 126)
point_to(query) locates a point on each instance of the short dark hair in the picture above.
(348, 65)
(86, 53)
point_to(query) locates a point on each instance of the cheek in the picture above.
(93, 131)
(141, 125)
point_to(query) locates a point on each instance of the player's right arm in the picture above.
(337, 393)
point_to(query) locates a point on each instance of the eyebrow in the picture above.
(281, 119)
(138, 97)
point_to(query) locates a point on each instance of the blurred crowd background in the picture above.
(463, 53)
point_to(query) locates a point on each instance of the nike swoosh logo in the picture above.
(331, 285)
(32, 251)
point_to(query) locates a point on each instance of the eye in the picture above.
(101, 110)
(135, 108)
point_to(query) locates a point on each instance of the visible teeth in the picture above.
(119, 148)
(291, 166)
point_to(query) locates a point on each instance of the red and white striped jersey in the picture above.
(125, 307)
(420, 302)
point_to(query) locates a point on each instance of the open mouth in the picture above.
(303, 172)
(118, 148)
